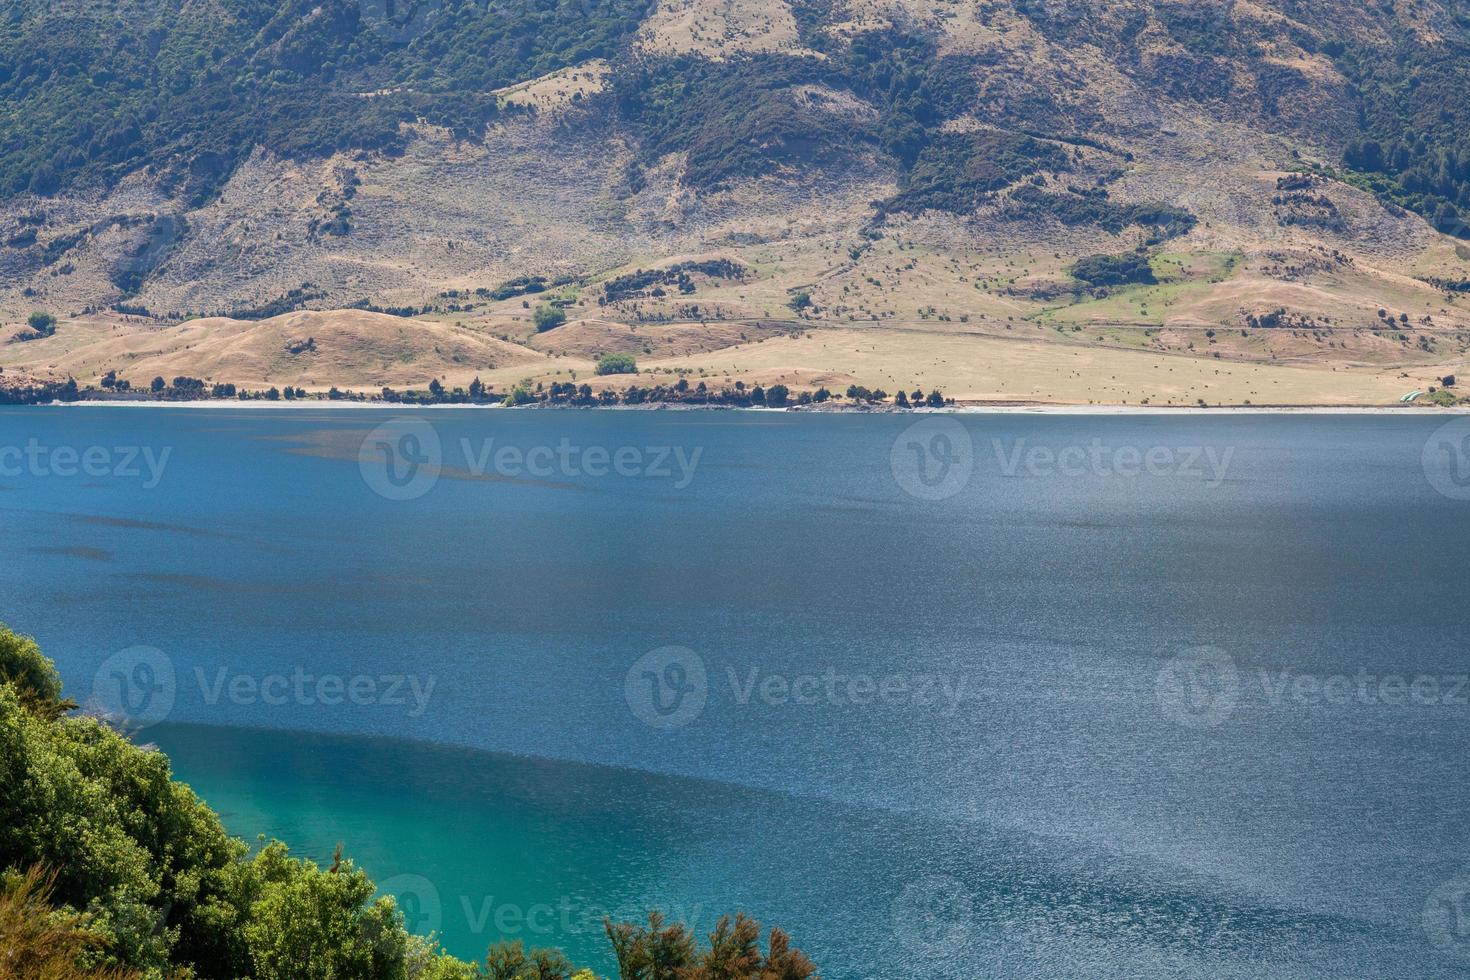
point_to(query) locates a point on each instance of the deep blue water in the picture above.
(1200, 717)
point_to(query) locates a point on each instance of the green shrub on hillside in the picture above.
(616, 364)
(547, 317)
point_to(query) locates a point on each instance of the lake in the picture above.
(1003, 695)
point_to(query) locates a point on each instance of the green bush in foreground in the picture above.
(111, 869)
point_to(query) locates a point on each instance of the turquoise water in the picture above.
(1007, 702)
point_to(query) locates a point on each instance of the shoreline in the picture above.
(967, 409)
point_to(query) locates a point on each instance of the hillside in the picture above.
(1295, 171)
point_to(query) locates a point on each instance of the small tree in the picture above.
(547, 316)
(616, 364)
(157, 385)
(42, 322)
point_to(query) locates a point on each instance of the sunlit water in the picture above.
(966, 708)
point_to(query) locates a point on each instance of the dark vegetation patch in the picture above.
(1415, 149)
(91, 92)
(1075, 209)
(956, 171)
(1114, 270)
(650, 282)
(740, 118)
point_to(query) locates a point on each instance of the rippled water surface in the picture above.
(1022, 696)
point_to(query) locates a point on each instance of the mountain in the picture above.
(1293, 169)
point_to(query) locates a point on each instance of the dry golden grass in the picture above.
(719, 28)
(367, 350)
(39, 943)
(972, 367)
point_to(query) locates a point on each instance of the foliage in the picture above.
(306, 923)
(42, 322)
(510, 961)
(89, 93)
(39, 942)
(741, 117)
(547, 316)
(664, 951)
(956, 171)
(1415, 151)
(616, 364)
(110, 870)
(1077, 209)
(29, 672)
(1114, 270)
(679, 275)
